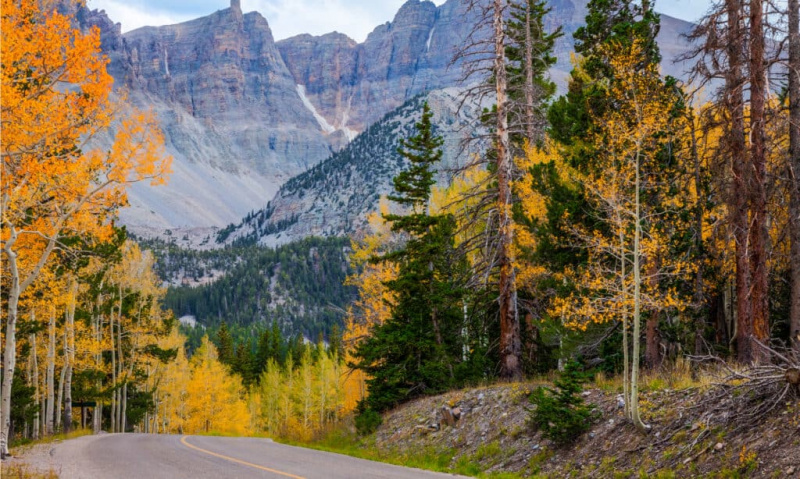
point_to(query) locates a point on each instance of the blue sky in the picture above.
(356, 18)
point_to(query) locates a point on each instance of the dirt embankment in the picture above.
(491, 434)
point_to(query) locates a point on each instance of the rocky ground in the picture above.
(487, 430)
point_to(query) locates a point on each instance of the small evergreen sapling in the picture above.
(561, 413)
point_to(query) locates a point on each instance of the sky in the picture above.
(356, 18)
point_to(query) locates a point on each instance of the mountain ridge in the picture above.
(242, 113)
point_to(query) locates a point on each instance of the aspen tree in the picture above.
(55, 91)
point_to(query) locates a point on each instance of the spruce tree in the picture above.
(417, 350)
(225, 350)
(530, 56)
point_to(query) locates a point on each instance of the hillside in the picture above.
(493, 436)
(333, 198)
(300, 285)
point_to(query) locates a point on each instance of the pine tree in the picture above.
(414, 351)
(530, 56)
(225, 351)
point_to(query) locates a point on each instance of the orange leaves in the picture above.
(56, 98)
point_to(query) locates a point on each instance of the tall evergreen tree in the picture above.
(418, 349)
(530, 55)
(225, 350)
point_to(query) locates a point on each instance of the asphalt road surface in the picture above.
(149, 456)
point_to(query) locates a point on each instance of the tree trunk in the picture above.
(738, 194)
(37, 428)
(10, 347)
(69, 355)
(113, 411)
(794, 165)
(759, 232)
(699, 286)
(51, 360)
(637, 308)
(510, 341)
(626, 366)
(652, 350)
(60, 400)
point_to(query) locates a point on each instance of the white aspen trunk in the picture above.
(97, 413)
(120, 364)
(123, 414)
(60, 400)
(626, 367)
(37, 427)
(10, 347)
(51, 360)
(69, 355)
(637, 307)
(113, 373)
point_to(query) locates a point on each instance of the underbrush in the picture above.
(22, 471)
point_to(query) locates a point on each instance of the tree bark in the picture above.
(51, 360)
(510, 341)
(10, 347)
(69, 355)
(37, 427)
(794, 166)
(652, 351)
(738, 193)
(759, 232)
(637, 306)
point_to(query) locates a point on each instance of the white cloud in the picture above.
(132, 17)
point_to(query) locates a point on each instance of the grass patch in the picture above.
(23, 471)
(23, 444)
(343, 442)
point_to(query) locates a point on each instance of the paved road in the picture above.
(147, 456)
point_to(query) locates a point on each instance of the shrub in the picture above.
(561, 413)
(368, 421)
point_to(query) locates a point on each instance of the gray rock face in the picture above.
(230, 110)
(354, 85)
(243, 114)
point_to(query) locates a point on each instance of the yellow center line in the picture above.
(238, 461)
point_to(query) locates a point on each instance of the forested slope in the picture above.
(299, 285)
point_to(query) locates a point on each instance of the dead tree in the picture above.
(484, 61)
(794, 166)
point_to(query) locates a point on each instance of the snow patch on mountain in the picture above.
(323, 123)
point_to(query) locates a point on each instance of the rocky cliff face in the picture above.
(242, 114)
(231, 112)
(353, 85)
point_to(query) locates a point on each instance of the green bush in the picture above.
(368, 421)
(561, 413)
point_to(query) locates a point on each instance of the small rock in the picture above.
(790, 471)
(610, 422)
(719, 446)
(457, 413)
(586, 393)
